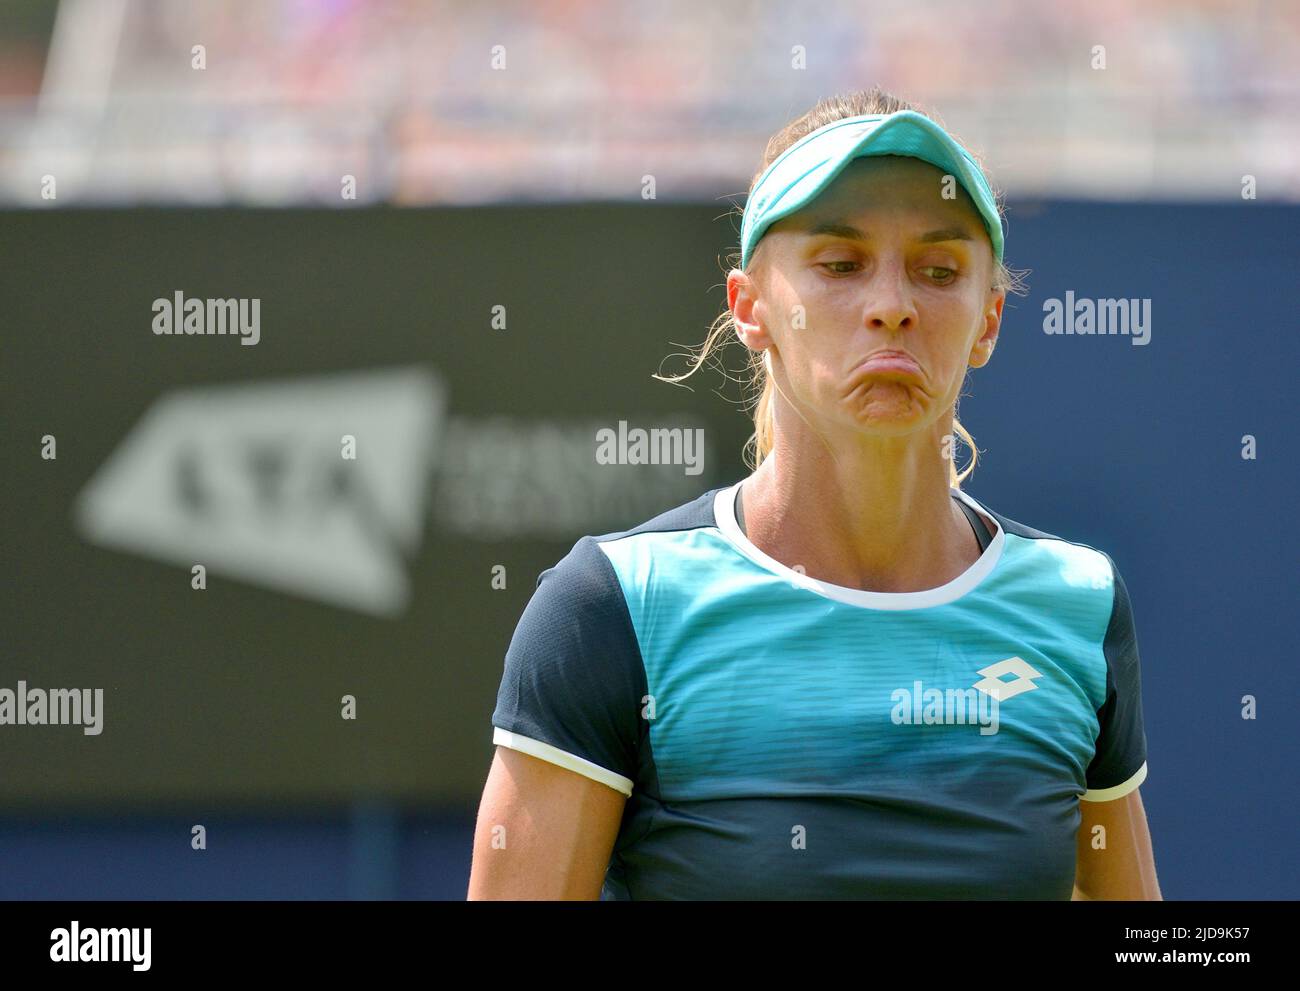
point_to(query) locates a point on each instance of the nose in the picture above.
(890, 305)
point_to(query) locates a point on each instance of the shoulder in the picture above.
(1022, 529)
(574, 679)
(688, 516)
(1091, 563)
(589, 567)
(1080, 582)
(589, 575)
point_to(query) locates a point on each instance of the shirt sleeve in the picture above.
(1120, 762)
(573, 682)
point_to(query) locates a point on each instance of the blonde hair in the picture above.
(760, 382)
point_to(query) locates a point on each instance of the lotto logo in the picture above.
(992, 683)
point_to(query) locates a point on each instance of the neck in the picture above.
(878, 515)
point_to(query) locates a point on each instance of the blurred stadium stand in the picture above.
(594, 95)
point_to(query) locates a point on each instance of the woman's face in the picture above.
(881, 260)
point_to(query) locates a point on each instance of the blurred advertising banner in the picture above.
(278, 459)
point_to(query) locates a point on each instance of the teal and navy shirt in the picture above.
(781, 737)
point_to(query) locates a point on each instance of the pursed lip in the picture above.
(888, 353)
(890, 359)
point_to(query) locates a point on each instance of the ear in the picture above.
(982, 350)
(745, 304)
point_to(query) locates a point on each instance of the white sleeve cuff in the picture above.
(1119, 791)
(561, 758)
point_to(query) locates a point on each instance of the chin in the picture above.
(888, 416)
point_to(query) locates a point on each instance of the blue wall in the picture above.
(372, 851)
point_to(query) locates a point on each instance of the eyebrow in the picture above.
(850, 232)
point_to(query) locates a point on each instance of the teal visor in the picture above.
(808, 166)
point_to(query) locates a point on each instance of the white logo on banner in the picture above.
(256, 481)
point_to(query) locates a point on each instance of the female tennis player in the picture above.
(842, 676)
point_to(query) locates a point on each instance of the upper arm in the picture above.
(1114, 858)
(568, 730)
(1113, 847)
(543, 832)
(1119, 763)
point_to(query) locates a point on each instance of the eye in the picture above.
(939, 274)
(828, 265)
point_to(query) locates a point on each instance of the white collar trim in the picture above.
(724, 512)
